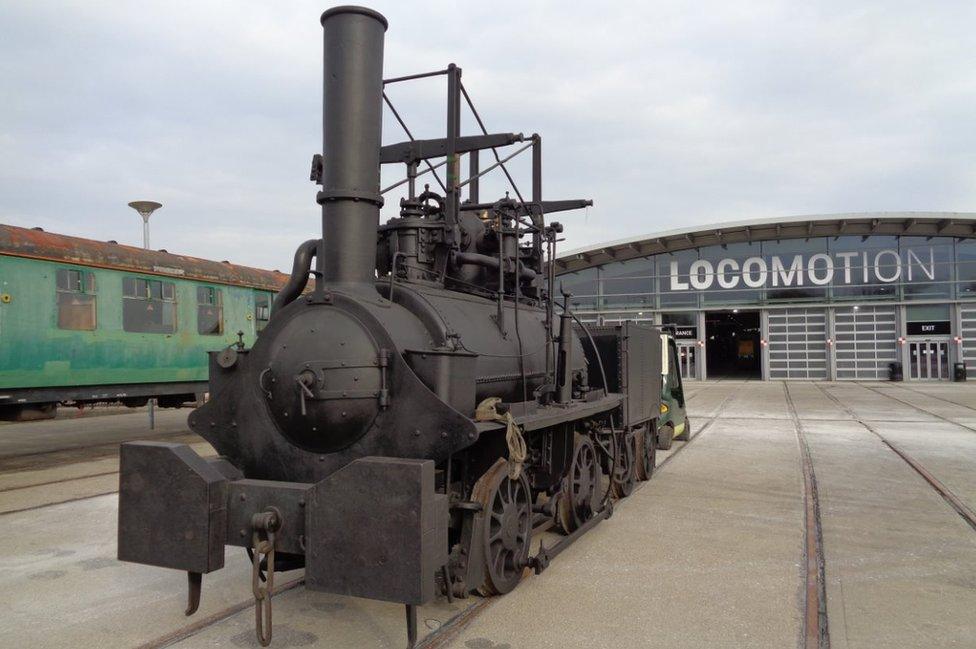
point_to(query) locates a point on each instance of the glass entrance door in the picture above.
(686, 359)
(928, 360)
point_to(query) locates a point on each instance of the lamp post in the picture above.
(145, 209)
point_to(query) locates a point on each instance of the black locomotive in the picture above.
(403, 426)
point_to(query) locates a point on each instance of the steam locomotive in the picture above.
(403, 427)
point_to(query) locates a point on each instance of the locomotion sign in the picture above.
(819, 269)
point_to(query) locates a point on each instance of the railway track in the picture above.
(964, 511)
(448, 631)
(93, 469)
(912, 405)
(816, 631)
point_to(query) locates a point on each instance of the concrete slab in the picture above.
(83, 432)
(900, 563)
(708, 554)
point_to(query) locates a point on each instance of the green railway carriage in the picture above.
(85, 321)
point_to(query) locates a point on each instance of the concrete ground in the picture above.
(707, 554)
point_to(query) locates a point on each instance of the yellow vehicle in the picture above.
(673, 423)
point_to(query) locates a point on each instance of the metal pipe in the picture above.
(352, 124)
(418, 175)
(299, 274)
(500, 163)
(411, 77)
(487, 261)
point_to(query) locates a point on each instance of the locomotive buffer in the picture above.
(400, 429)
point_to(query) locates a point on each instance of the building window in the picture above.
(148, 306)
(210, 312)
(262, 310)
(76, 299)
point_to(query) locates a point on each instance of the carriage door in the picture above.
(928, 360)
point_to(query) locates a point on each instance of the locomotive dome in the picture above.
(836, 296)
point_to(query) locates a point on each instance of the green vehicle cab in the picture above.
(673, 423)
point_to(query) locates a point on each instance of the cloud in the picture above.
(665, 114)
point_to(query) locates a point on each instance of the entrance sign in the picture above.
(685, 333)
(819, 269)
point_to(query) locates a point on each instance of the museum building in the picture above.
(826, 297)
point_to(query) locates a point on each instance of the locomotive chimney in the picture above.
(352, 123)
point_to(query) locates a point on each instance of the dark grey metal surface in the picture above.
(245, 498)
(352, 126)
(377, 529)
(354, 420)
(631, 356)
(171, 507)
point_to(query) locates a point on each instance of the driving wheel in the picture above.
(625, 471)
(507, 510)
(647, 452)
(577, 499)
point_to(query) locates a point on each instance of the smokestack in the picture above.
(352, 124)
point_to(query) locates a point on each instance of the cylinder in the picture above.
(352, 124)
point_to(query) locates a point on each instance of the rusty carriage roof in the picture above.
(34, 243)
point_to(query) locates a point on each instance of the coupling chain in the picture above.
(264, 526)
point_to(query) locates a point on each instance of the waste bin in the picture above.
(959, 372)
(895, 372)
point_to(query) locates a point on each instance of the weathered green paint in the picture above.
(34, 352)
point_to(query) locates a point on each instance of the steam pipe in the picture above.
(486, 261)
(299, 274)
(352, 123)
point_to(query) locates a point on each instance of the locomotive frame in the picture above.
(403, 428)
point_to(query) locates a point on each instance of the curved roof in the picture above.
(38, 244)
(947, 224)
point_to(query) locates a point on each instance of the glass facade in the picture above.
(812, 270)
(836, 307)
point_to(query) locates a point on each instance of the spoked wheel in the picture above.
(647, 452)
(578, 497)
(625, 471)
(507, 507)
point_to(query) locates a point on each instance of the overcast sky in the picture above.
(665, 114)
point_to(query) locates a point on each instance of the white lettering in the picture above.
(700, 274)
(677, 284)
(864, 266)
(747, 277)
(724, 280)
(828, 267)
(780, 273)
(847, 256)
(878, 265)
(929, 272)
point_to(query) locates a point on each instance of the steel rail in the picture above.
(449, 631)
(912, 405)
(192, 629)
(961, 508)
(51, 482)
(816, 629)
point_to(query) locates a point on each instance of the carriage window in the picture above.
(262, 310)
(148, 306)
(76, 299)
(210, 315)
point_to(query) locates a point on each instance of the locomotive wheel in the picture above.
(578, 497)
(625, 470)
(507, 529)
(647, 451)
